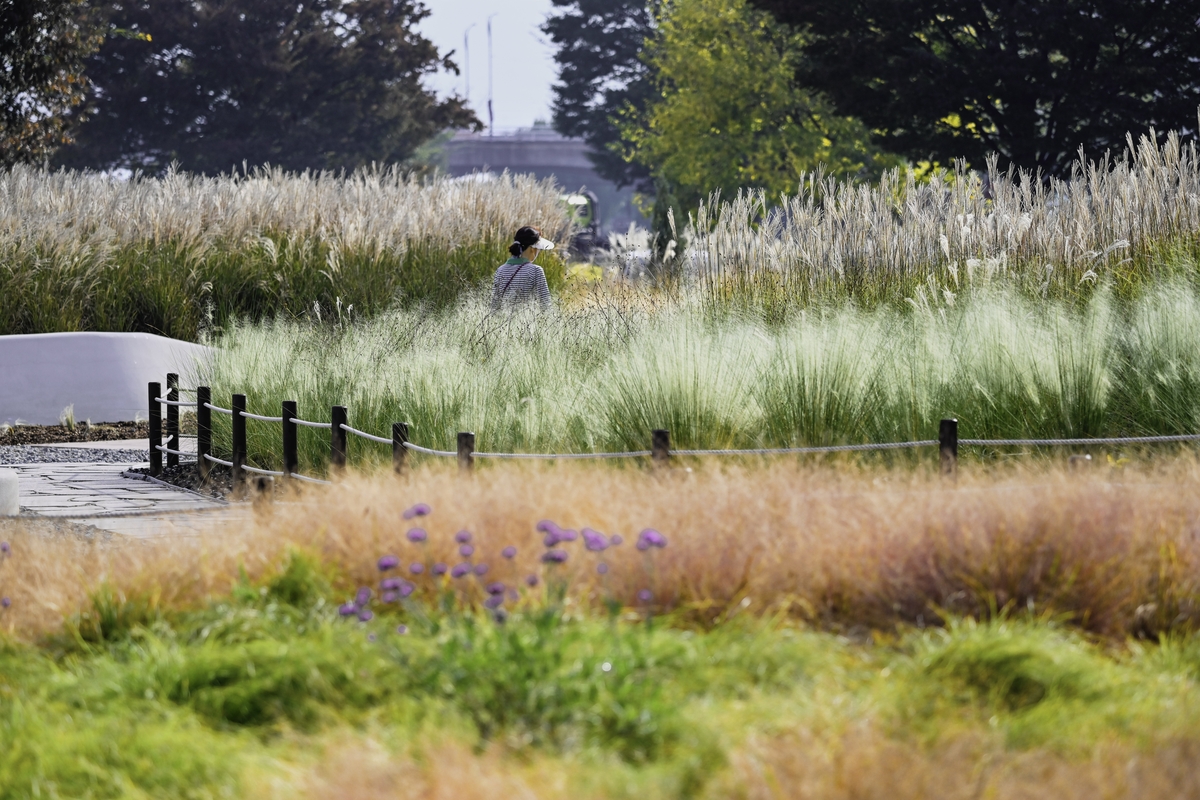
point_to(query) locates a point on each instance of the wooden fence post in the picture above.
(337, 437)
(172, 419)
(948, 446)
(154, 393)
(203, 431)
(399, 451)
(660, 447)
(291, 457)
(466, 450)
(239, 439)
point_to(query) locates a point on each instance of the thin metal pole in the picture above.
(172, 419)
(399, 451)
(948, 446)
(660, 447)
(291, 458)
(466, 451)
(155, 392)
(239, 439)
(337, 437)
(203, 431)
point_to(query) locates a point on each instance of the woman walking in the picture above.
(519, 279)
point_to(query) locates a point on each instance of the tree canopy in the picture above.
(727, 114)
(320, 84)
(601, 73)
(1032, 80)
(43, 46)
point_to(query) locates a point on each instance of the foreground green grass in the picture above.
(601, 376)
(131, 702)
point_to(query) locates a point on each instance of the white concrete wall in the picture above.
(104, 375)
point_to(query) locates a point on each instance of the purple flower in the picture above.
(370, 637)
(496, 588)
(531, 580)
(602, 568)
(554, 556)
(417, 535)
(4, 548)
(594, 540)
(401, 629)
(615, 539)
(466, 550)
(419, 510)
(651, 538)
(509, 552)
(551, 539)
(389, 597)
(405, 589)
(391, 584)
(460, 570)
(417, 568)
(645, 596)
(363, 597)
(6, 602)
(481, 569)
(365, 615)
(546, 526)
(345, 609)
(388, 562)
(494, 601)
(512, 595)
(439, 569)
(462, 537)
(568, 536)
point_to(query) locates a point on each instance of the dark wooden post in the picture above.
(239, 439)
(466, 451)
(948, 446)
(154, 392)
(337, 438)
(399, 451)
(203, 431)
(172, 419)
(660, 447)
(291, 457)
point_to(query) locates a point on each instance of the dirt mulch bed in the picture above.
(81, 432)
(220, 479)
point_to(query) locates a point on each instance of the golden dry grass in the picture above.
(1117, 550)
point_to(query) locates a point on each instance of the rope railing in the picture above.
(660, 450)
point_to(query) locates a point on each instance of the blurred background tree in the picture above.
(727, 114)
(1032, 80)
(324, 84)
(43, 47)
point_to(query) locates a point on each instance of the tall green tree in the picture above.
(302, 84)
(1032, 80)
(601, 73)
(43, 46)
(727, 114)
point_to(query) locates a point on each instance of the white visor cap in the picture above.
(543, 244)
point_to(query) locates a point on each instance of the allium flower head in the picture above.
(481, 569)
(554, 556)
(363, 597)
(417, 568)
(370, 637)
(496, 587)
(460, 570)
(645, 595)
(419, 510)
(568, 535)
(417, 535)
(602, 568)
(509, 552)
(388, 562)
(345, 609)
(466, 550)
(531, 580)
(365, 615)
(615, 539)
(439, 569)
(5, 548)
(462, 537)
(546, 526)
(551, 539)
(5, 602)
(401, 629)
(495, 601)
(391, 584)
(405, 589)
(389, 597)
(594, 540)
(651, 538)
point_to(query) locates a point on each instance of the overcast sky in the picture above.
(522, 57)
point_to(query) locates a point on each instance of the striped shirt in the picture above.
(518, 281)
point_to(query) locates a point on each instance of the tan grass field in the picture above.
(1112, 549)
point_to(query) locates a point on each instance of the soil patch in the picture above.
(80, 432)
(220, 479)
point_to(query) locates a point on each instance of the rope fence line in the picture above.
(660, 451)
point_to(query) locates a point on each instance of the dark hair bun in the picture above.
(524, 238)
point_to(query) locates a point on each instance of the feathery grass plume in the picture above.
(184, 253)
